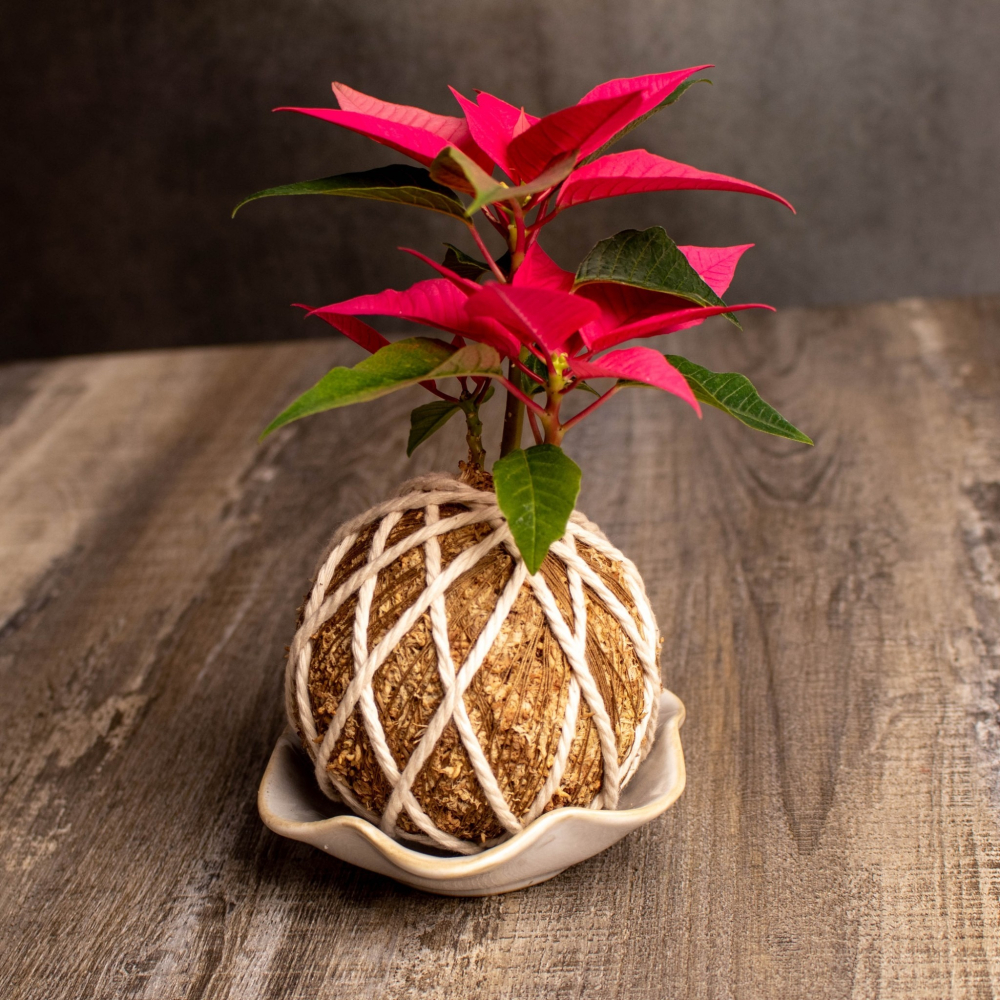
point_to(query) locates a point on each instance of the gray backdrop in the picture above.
(131, 129)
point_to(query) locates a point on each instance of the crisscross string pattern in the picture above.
(428, 494)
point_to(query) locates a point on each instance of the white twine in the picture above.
(427, 494)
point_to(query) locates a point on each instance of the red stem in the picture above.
(517, 394)
(527, 371)
(431, 386)
(541, 219)
(496, 222)
(590, 409)
(534, 427)
(489, 257)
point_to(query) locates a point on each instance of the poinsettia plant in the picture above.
(521, 321)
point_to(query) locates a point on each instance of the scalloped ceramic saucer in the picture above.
(292, 805)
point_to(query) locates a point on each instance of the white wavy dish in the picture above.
(291, 804)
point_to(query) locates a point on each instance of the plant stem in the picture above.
(474, 436)
(525, 370)
(513, 416)
(519, 393)
(590, 409)
(536, 433)
(518, 250)
(431, 386)
(489, 257)
(549, 419)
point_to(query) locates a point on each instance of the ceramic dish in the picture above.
(292, 805)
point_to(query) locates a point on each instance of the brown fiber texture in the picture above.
(516, 701)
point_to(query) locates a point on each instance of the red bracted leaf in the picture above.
(361, 333)
(414, 142)
(654, 88)
(715, 265)
(668, 322)
(466, 284)
(436, 302)
(639, 364)
(539, 270)
(623, 304)
(448, 127)
(638, 170)
(537, 315)
(493, 124)
(514, 118)
(583, 127)
(496, 335)
(452, 130)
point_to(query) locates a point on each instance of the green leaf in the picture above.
(554, 174)
(398, 183)
(536, 490)
(539, 367)
(463, 264)
(647, 258)
(669, 99)
(454, 169)
(431, 417)
(428, 419)
(734, 394)
(471, 267)
(392, 367)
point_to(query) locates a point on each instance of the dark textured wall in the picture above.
(130, 130)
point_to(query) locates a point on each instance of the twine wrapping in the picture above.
(428, 494)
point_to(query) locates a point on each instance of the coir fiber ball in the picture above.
(448, 696)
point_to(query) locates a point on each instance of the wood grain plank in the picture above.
(832, 622)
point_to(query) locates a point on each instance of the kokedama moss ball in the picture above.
(450, 697)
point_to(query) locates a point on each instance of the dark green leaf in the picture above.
(734, 394)
(536, 490)
(463, 265)
(392, 367)
(539, 367)
(398, 183)
(647, 258)
(471, 267)
(426, 420)
(669, 99)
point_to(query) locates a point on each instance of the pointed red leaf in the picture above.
(449, 128)
(361, 333)
(654, 88)
(667, 322)
(539, 270)
(624, 304)
(493, 124)
(506, 113)
(583, 127)
(436, 302)
(452, 130)
(715, 265)
(523, 123)
(537, 315)
(638, 170)
(416, 143)
(640, 364)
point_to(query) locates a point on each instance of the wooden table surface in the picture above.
(832, 622)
